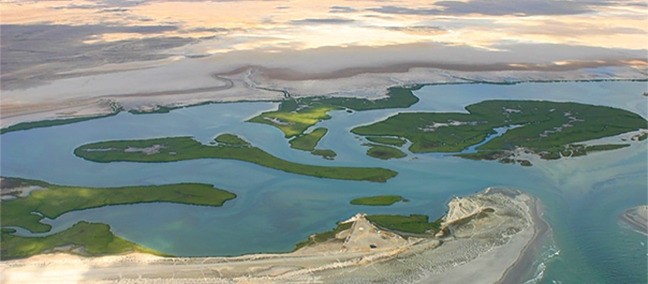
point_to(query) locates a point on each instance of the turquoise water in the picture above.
(274, 210)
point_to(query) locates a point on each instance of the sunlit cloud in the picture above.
(268, 25)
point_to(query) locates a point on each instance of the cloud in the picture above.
(342, 9)
(322, 21)
(420, 30)
(497, 8)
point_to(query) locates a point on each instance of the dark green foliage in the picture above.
(387, 140)
(385, 152)
(92, 239)
(231, 140)
(56, 200)
(324, 153)
(308, 141)
(294, 116)
(48, 123)
(415, 224)
(325, 236)
(185, 148)
(381, 200)
(545, 127)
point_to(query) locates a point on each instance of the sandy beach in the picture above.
(480, 246)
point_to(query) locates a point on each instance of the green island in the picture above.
(173, 149)
(325, 153)
(52, 201)
(398, 142)
(385, 152)
(381, 200)
(548, 129)
(83, 238)
(308, 142)
(414, 224)
(295, 115)
(33, 200)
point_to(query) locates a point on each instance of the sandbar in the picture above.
(637, 218)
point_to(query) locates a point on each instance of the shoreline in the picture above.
(395, 257)
(30, 118)
(524, 263)
(508, 263)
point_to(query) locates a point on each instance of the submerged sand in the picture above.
(637, 218)
(487, 241)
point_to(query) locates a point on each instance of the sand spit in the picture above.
(479, 245)
(637, 218)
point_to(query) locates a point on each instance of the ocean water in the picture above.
(274, 210)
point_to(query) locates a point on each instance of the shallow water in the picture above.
(274, 210)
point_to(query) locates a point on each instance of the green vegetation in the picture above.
(53, 122)
(545, 128)
(231, 140)
(185, 148)
(90, 239)
(294, 116)
(325, 236)
(308, 141)
(57, 200)
(385, 152)
(381, 200)
(605, 147)
(325, 153)
(398, 142)
(414, 224)
(294, 122)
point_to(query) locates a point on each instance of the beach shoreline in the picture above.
(524, 263)
(465, 254)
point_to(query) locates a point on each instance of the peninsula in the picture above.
(185, 148)
(476, 230)
(551, 130)
(26, 202)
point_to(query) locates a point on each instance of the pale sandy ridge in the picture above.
(471, 244)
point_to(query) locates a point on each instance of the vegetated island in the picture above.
(547, 129)
(295, 115)
(308, 142)
(392, 141)
(26, 202)
(380, 200)
(173, 149)
(637, 218)
(494, 224)
(384, 152)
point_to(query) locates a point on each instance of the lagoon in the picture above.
(275, 210)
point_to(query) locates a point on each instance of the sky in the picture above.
(221, 26)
